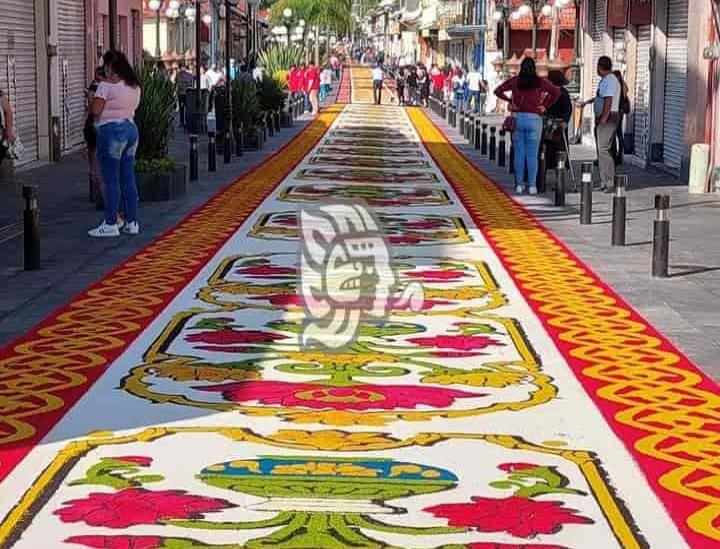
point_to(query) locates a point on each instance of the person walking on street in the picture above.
(624, 110)
(424, 85)
(558, 115)
(438, 81)
(475, 88)
(312, 77)
(113, 107)
(458, 88)
(412, 85)
(530, 97)
(326, 78)
(183, 83)
(377, 79)
(607, 115)
(400, 85)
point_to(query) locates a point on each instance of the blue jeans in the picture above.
(116, 146)
(324, 91)
(526, 144)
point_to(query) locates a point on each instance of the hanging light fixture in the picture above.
(515, 16)
(524, 10)
(154, 5)
(546, 10)
(174, 5)
(207, 18)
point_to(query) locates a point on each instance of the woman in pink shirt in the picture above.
(113, 107)
(530, 96)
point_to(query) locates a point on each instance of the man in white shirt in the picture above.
(213, 75)
(475, 89)
(607, 114)
(377, 78)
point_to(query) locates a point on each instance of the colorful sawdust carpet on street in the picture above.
(526, 406)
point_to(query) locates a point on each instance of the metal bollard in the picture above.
(484, 140)
(492, 151)
(661, 236)
(619, 214)
(31, 228)
(239, 141)
(561, 175)
(461, 123)
(277, 121)
(511, 159)
(212, 152)
(478, 132)
(194, 157)
(502, 150)
(541, 182)
(227, 146)
(269, 126)
(586, 194)
(469, 123)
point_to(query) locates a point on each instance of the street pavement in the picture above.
(363, 343)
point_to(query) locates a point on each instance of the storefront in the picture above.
(72, 78)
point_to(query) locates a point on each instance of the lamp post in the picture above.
(155, 6)
(252, 30)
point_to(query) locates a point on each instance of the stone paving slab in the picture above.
(686, 306)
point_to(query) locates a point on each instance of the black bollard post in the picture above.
(586, 194)
(212, 153)
(492, 147)
(478, 132)
(31, 228)
(227, 146)
(469, 123)
(277, 121)
(502, 150)
(194, 157)
(561, 175)
(269, 126)
(619, 216)
(661, 236)
(484, 140)
(239, 141)
(511, 159)
(461, 123)
(541, 182)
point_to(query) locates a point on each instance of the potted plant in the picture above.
(271, 95)
(246, 112)
(158, 176)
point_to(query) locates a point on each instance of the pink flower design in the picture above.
(232, 337)
(117, 542)
(493, 545)
(133, 506)
(521, 517)
(511, 467)
(281, 300)
(457, 342)
(356, 397)
(453, 354)
(438, 276)
(138, 460)
(267, 271)
(424, 224)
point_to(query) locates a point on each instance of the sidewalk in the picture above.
(686, 306)
(71, 261)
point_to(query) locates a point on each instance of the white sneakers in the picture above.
(533, 190)
(108, 231)
(520, 189)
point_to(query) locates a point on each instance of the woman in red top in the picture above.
(312, 82)
(530, 96)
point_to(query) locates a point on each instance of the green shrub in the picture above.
(270, 94)
(154, 114)
(245, 103)
(157, 165)
(281, 57)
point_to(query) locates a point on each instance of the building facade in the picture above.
(48, 51)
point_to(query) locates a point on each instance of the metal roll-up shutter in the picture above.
(18, 70)
(599, 26)
(71, 63)
(641, 99)
(675, 84)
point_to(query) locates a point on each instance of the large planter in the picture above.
(253, 140)
(161, 187)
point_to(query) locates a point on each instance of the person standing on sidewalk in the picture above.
(312, 76)
(400, 86)
(113, 107)
(7, 126)
(183, 83)
(607, 108)
(326, 78)
(412, 85)
(530, 97)
(475, 88)
(377, 79)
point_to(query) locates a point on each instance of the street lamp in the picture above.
(252, 29)
(155, 6)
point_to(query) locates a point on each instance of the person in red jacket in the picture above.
(312, 85)
(302, 86)
(438, 81)
(293, 83)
